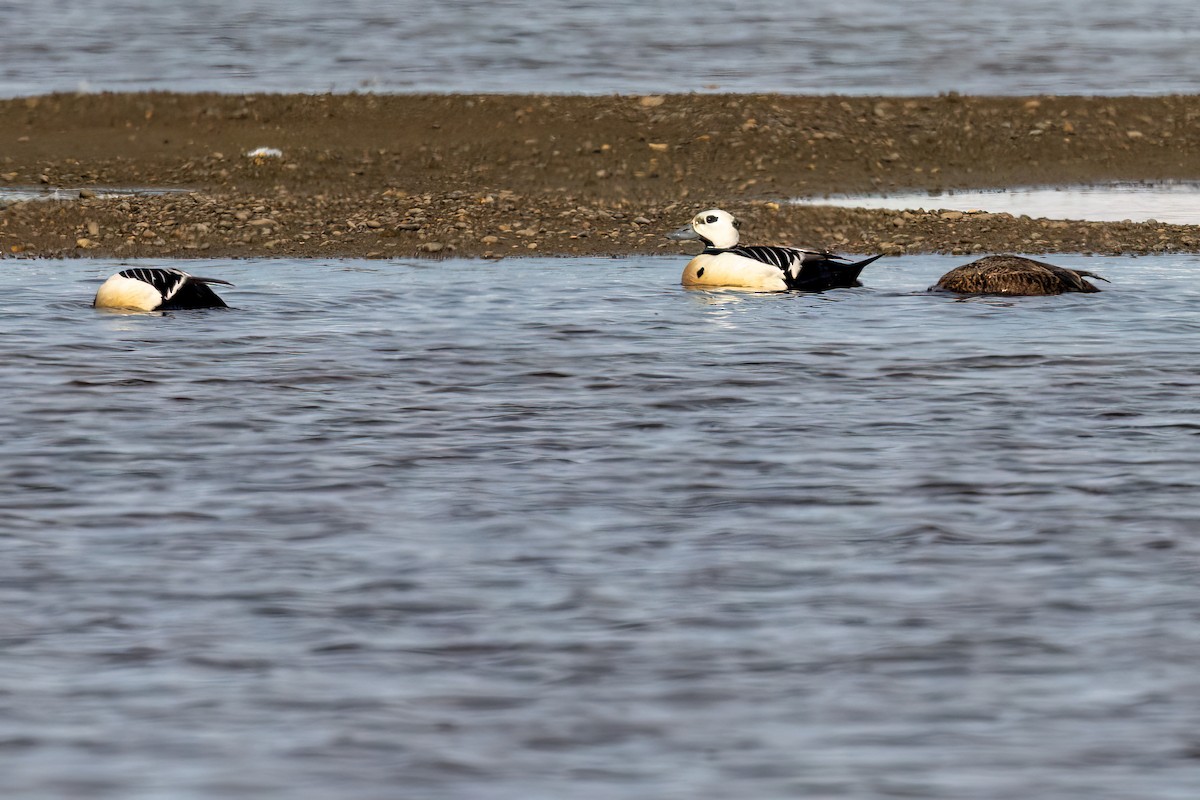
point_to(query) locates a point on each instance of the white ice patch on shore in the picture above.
(1170, 202)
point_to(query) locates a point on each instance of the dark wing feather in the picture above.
(193, 294)
(819, 274)
(178, 289)
(807, 270)
(781, 257)
(163, 280)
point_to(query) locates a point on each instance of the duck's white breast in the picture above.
(732, 270)
(121, 292)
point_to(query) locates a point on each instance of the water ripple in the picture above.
(649, 542)
(915, 48)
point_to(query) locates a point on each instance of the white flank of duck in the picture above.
(158, 289)
(725, 263)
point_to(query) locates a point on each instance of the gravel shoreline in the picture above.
(504, 175)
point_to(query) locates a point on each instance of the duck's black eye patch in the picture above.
(711, 218)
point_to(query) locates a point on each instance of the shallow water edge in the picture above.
(1152, 203)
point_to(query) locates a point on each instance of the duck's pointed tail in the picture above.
(827, 273)
(856, 267)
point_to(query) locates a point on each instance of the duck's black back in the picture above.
(817, 275)
(179, 290)
(193, 294)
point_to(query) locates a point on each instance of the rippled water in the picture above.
(544, 529)
(855, 46)
(1177, 203)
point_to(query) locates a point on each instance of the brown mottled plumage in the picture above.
(1014, 275)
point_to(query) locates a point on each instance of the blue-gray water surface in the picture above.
(559, 528)
(569, 46)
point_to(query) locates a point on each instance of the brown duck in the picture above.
(1014, 275)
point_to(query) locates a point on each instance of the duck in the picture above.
(158, 289)
(1014, 275)
(771, 268)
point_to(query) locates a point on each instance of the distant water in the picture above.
(854, 46)
(1177, 203)
(548, 529)
(21, 194)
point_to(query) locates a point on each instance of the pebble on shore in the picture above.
(431, 175)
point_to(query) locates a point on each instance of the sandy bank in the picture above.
(499, 175)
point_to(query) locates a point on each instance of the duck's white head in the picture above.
(716, 228)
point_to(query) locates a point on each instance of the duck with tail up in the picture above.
(158, 289)
(725, 263)
(1014, 275)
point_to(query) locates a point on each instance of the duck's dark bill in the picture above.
(684, 234)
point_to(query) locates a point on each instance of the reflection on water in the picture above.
(1171, 202)
(567, 530)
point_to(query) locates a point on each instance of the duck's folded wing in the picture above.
(178, 289)
(785, 258)
(165, 281)
(820, 271)
(193, 294)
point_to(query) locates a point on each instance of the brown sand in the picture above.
(500, 175)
